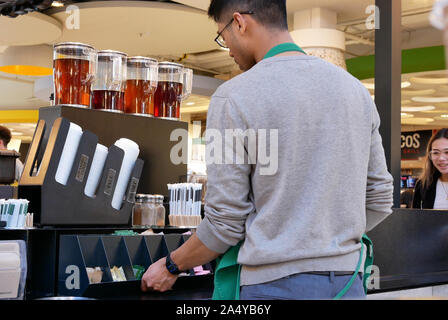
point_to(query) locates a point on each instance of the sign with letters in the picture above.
(413, 144)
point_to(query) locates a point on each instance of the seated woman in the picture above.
(431, 190)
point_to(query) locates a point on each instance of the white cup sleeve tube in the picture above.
(131, 151)
(96, 169)
(68, 153)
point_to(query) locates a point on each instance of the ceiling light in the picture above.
(405, 84)
(57, 4)
(417, 120)
(416, 109)
(430, 99)
(371, 86)
(436, 111)
(14, 133)
(414, 93)
(190, 103)
(444, 115)
(406, 115)
(422, 80)
(28, 125)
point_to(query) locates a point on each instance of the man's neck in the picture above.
(272, 39)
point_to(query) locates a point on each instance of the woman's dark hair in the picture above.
(269, 13)
(5, 135)
(430, 172)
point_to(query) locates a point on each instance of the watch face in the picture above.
(171, 268)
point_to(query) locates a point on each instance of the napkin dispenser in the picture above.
(12, 269)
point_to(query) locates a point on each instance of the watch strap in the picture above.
(171, 266)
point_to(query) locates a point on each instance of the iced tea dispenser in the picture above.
(108, 86)
(141, 84)
(174, 85)
(74, 67)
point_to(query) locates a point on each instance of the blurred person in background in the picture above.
(431, 190)
(5, 138)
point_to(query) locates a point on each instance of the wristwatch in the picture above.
(171, 266)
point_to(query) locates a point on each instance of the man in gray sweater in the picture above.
(309, 178)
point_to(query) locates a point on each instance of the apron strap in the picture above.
(365, 240)
(283, 47)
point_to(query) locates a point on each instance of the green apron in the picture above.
(227, 273)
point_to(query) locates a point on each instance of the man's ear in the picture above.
(240, 21)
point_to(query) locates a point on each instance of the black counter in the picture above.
(411, 249)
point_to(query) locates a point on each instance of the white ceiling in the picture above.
(30, 29)
(348, 10)
(139, 27)
(17, 92)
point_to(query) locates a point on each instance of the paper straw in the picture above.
(131, 152)
(2, 210)
(14, 218)
(22, 214)
(96, 170)
(68, 153)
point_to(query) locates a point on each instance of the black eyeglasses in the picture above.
(219, 39)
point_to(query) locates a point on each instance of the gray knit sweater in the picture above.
(326, 183)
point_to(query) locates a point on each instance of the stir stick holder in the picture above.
(78, 252)
(55, 204)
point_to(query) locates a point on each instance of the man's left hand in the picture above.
(158, 278)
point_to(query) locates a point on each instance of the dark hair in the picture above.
(269, 13)
(430, 172)
(5, 135)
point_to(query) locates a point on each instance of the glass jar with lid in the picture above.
(141, 83)
(148, 215)
(109, 84)
(143, 210)
(159, 210)
(174, 84)
(74, 69)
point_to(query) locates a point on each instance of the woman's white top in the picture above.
(441, 201)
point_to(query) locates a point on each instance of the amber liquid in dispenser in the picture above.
(72, 81)
(139, 97)
(107, 100)
(167, 99)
